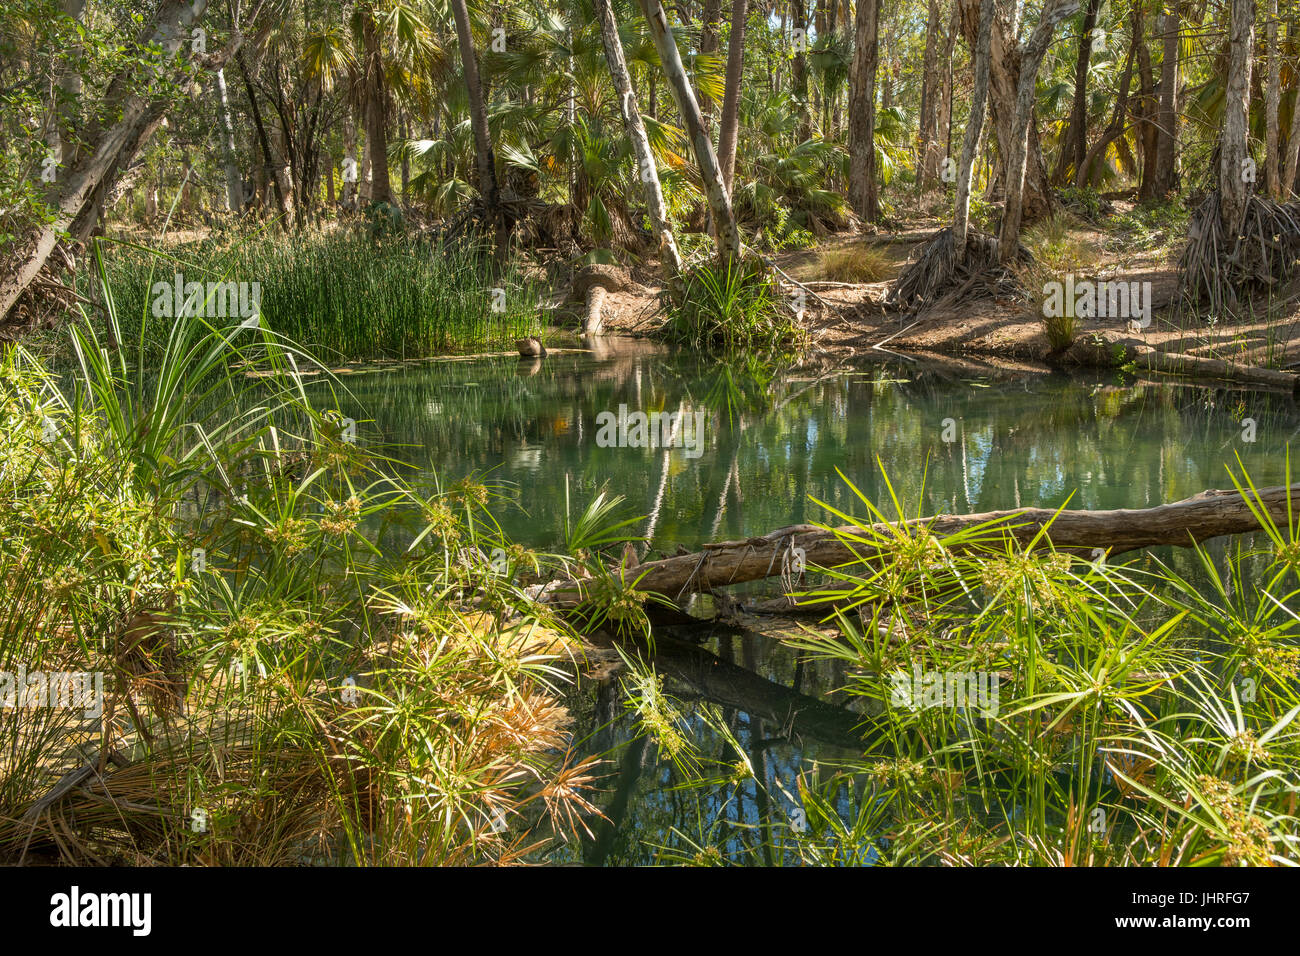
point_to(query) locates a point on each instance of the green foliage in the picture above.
(277, 688)
(375, 293)
(1139, 718)
(1151, 226)
(731, 306)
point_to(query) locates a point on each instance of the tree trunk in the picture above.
(670, 258)
(1115, 129)
(974, 126)
(862, 113)
(1234, 151)
(381, 188)
(928, 126)
(1038, 200)
(729, 134)
(69, 94)
(1165, 179)
(234, 184)
(111, 144)
(799, 66)
(1272, 102)
(1032, 59)
(1075, 142)
(1177, 524)
(485, 159)
(1146, 114)
(729, 244)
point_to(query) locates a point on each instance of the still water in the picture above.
(773, 443)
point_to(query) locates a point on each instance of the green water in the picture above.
(772, 442)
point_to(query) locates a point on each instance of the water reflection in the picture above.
(774, 440)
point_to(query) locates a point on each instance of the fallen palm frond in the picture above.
(1215, 267)
(935, 277)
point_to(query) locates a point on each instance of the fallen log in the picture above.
(1179, 524)
(1180, 363)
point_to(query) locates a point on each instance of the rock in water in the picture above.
(530, 348)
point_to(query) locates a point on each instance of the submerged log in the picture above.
(1179, 524)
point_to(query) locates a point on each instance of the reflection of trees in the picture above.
(775, 438)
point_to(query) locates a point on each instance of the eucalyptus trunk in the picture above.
(729, 134)
(862, 113)
(974, 128)
(1234, 185)
(229, 162)
(670, 258)
(679, 85)
(1031, 61)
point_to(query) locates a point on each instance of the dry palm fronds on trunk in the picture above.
(1215, 267)
(935, 277)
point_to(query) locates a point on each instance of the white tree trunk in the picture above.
(669, 257)
(715, 190)
(234, 185)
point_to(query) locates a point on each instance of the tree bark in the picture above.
(1032, 59)
(1272, 102)
(862, 113)
(130, 117)
(1165, 179)
(799, 66)
(484, 158)
(931, 80)
(1004, 83)
(1075, 142)
(234, 184)
(1183, 524)
(974, 126)
(715, 190)
(1234, 150)
(670, 258)
(729, 135)
(381, 188)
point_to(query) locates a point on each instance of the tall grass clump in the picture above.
(733, 306)
(276, 688)
(859, 262)
(1135, 717)
(350, 294)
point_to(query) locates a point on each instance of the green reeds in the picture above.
(277, 688)
(344, 294)
(1137, 718)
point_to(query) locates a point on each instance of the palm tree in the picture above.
(485, 160)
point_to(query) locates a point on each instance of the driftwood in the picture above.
(1179, 524)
